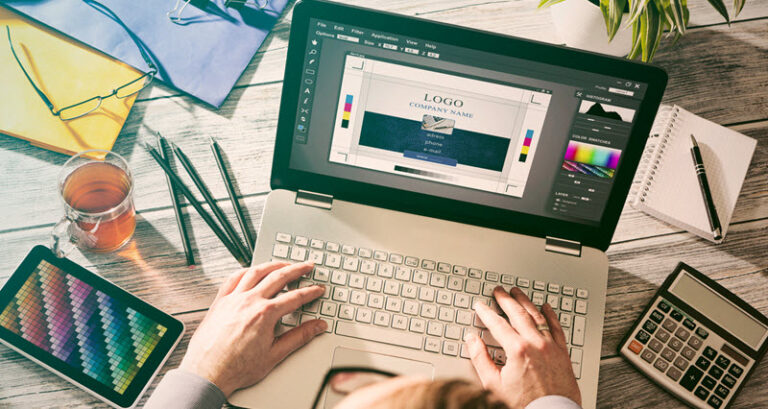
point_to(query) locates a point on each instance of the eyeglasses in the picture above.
(89, 105)
(175, 13)
(340, 382)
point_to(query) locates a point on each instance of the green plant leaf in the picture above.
(720, 7)
(737, 6)
(677, 9)
(651, 29)
(635, 50)
(547, 3)
(613, 11)
(638, 7)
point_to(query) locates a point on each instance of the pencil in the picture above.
(163, 150)
(198, 207)
(232, 195)
(198, 181)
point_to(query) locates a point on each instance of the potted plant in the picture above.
(577, 22)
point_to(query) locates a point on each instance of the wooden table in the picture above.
(716, 71)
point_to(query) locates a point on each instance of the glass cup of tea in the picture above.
(96, 188)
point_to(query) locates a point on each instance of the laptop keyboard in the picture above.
(415, 302)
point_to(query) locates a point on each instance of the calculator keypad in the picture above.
(671, 343)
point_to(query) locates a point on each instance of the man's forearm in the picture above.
(180, 389)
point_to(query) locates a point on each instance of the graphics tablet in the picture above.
(84, 328)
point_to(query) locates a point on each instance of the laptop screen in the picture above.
(395, 111)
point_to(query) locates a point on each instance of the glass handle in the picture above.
(62, 240)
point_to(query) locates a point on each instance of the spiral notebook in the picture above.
(666, 186)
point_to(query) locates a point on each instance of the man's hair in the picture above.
(442, 394)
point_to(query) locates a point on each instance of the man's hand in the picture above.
(235, 345)
(537, 361)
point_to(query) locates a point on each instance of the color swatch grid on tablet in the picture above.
(347, 111)
(591, 159)
(82, 326)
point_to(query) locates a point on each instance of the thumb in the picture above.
(484, 366)
(296, 338)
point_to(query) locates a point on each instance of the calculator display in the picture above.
(720, 310)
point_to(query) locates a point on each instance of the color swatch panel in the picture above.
(82, 326)
(589, 154)
(526, 145)
(347, 111)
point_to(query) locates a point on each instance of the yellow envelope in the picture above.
(67, 72)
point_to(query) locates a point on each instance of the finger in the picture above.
(292, 300)
(255, 274)
(484, 366)
(295, 339)
(499, 327)
(230, 283)
(554, 326)
(517, 314)
(534, 317)
(277, 279)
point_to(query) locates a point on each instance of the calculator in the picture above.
(697, 340)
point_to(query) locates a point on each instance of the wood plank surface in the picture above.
(716, 71)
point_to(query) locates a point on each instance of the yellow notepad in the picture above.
(67, 72)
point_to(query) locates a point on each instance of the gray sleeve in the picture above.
(553, 402)
(180, 389)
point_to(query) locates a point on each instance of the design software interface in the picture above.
(460, 123)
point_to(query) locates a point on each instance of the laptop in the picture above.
(419, 165)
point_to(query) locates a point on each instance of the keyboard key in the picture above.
(321, 274)
(374, 284)
(391, 287)
(523, 282)
(328, 308)
(350, 264)
(688, 323)
(500, 357)
(381, 318)
(411, 261)
(380, 255)
(709, 353)
(376, 301)
(688, 353)
(357, 297)
(306, 318)
(348, 250)
(427, 294)
(701, 393)
(714, 401)
(444, 267)
(663, 306)
(356, 281)
(460, 270)
(446, 314)
(435, 328)
(409, 291)
(410, 307)
(368, 267)
(539, 285)
(283, 237)
(507, 279)
(399, 322)
(703, 363)
(582, 293)
(386, 271)
(566, 320)
(722, 361)
(333, 247)
(464, 317)
(581, 307)
(420, 277)
(722, 391)
(444, 297)
(537, 299)
(316, 244)
(428, 311)
(340, 294)
(695, 343)
(461, 300)
(339, 277)
(553, 300)
(708, 382)
(569, 291)
(702, 333)
(455, 283)
(291, 319)
(329, 322)
(382, 335)
(691, 378)
(716, 372)
(669, 325)
(418, 325)
(566, 304)
(403, 273)
(668, 354)
(312, 306)
(648, 356)
(576, 370)
(735, 370)
(301, 241)
(649, 326)
(438, 280)
(681, 363)
(579, 327)
(393, 304)
(553, 288)
(333, 260)
(682, 333)
(675, 344)
(364, 253)
(298, 253)
(472, 287)
(661, 365)
(346, 312)
(657, 316)
(662, 335)
(432, 345)
(450, 348)
(364, 315)
(728, 381)
(477, 322)
(655, 345)
(280, 250)
(475, 273)
(428, 264)
(676, 315)
(492, 276)
(674, 373)
(396, 258)
(453, 332)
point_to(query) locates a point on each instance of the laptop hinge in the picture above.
(313, 199)
(563, 246)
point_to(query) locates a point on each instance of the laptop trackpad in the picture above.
(345, 357)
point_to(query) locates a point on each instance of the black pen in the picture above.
(200, 209)
(198, 181)
(232, 195)
(165, 154)
(714, 221)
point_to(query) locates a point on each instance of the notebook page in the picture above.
(676, 193)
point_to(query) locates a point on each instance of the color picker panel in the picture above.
(82, 326)
(526, 145)
(347, 111)
(592, 154)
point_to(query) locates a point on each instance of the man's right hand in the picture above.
(537, 361)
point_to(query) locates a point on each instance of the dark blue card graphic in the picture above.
(407, 137)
